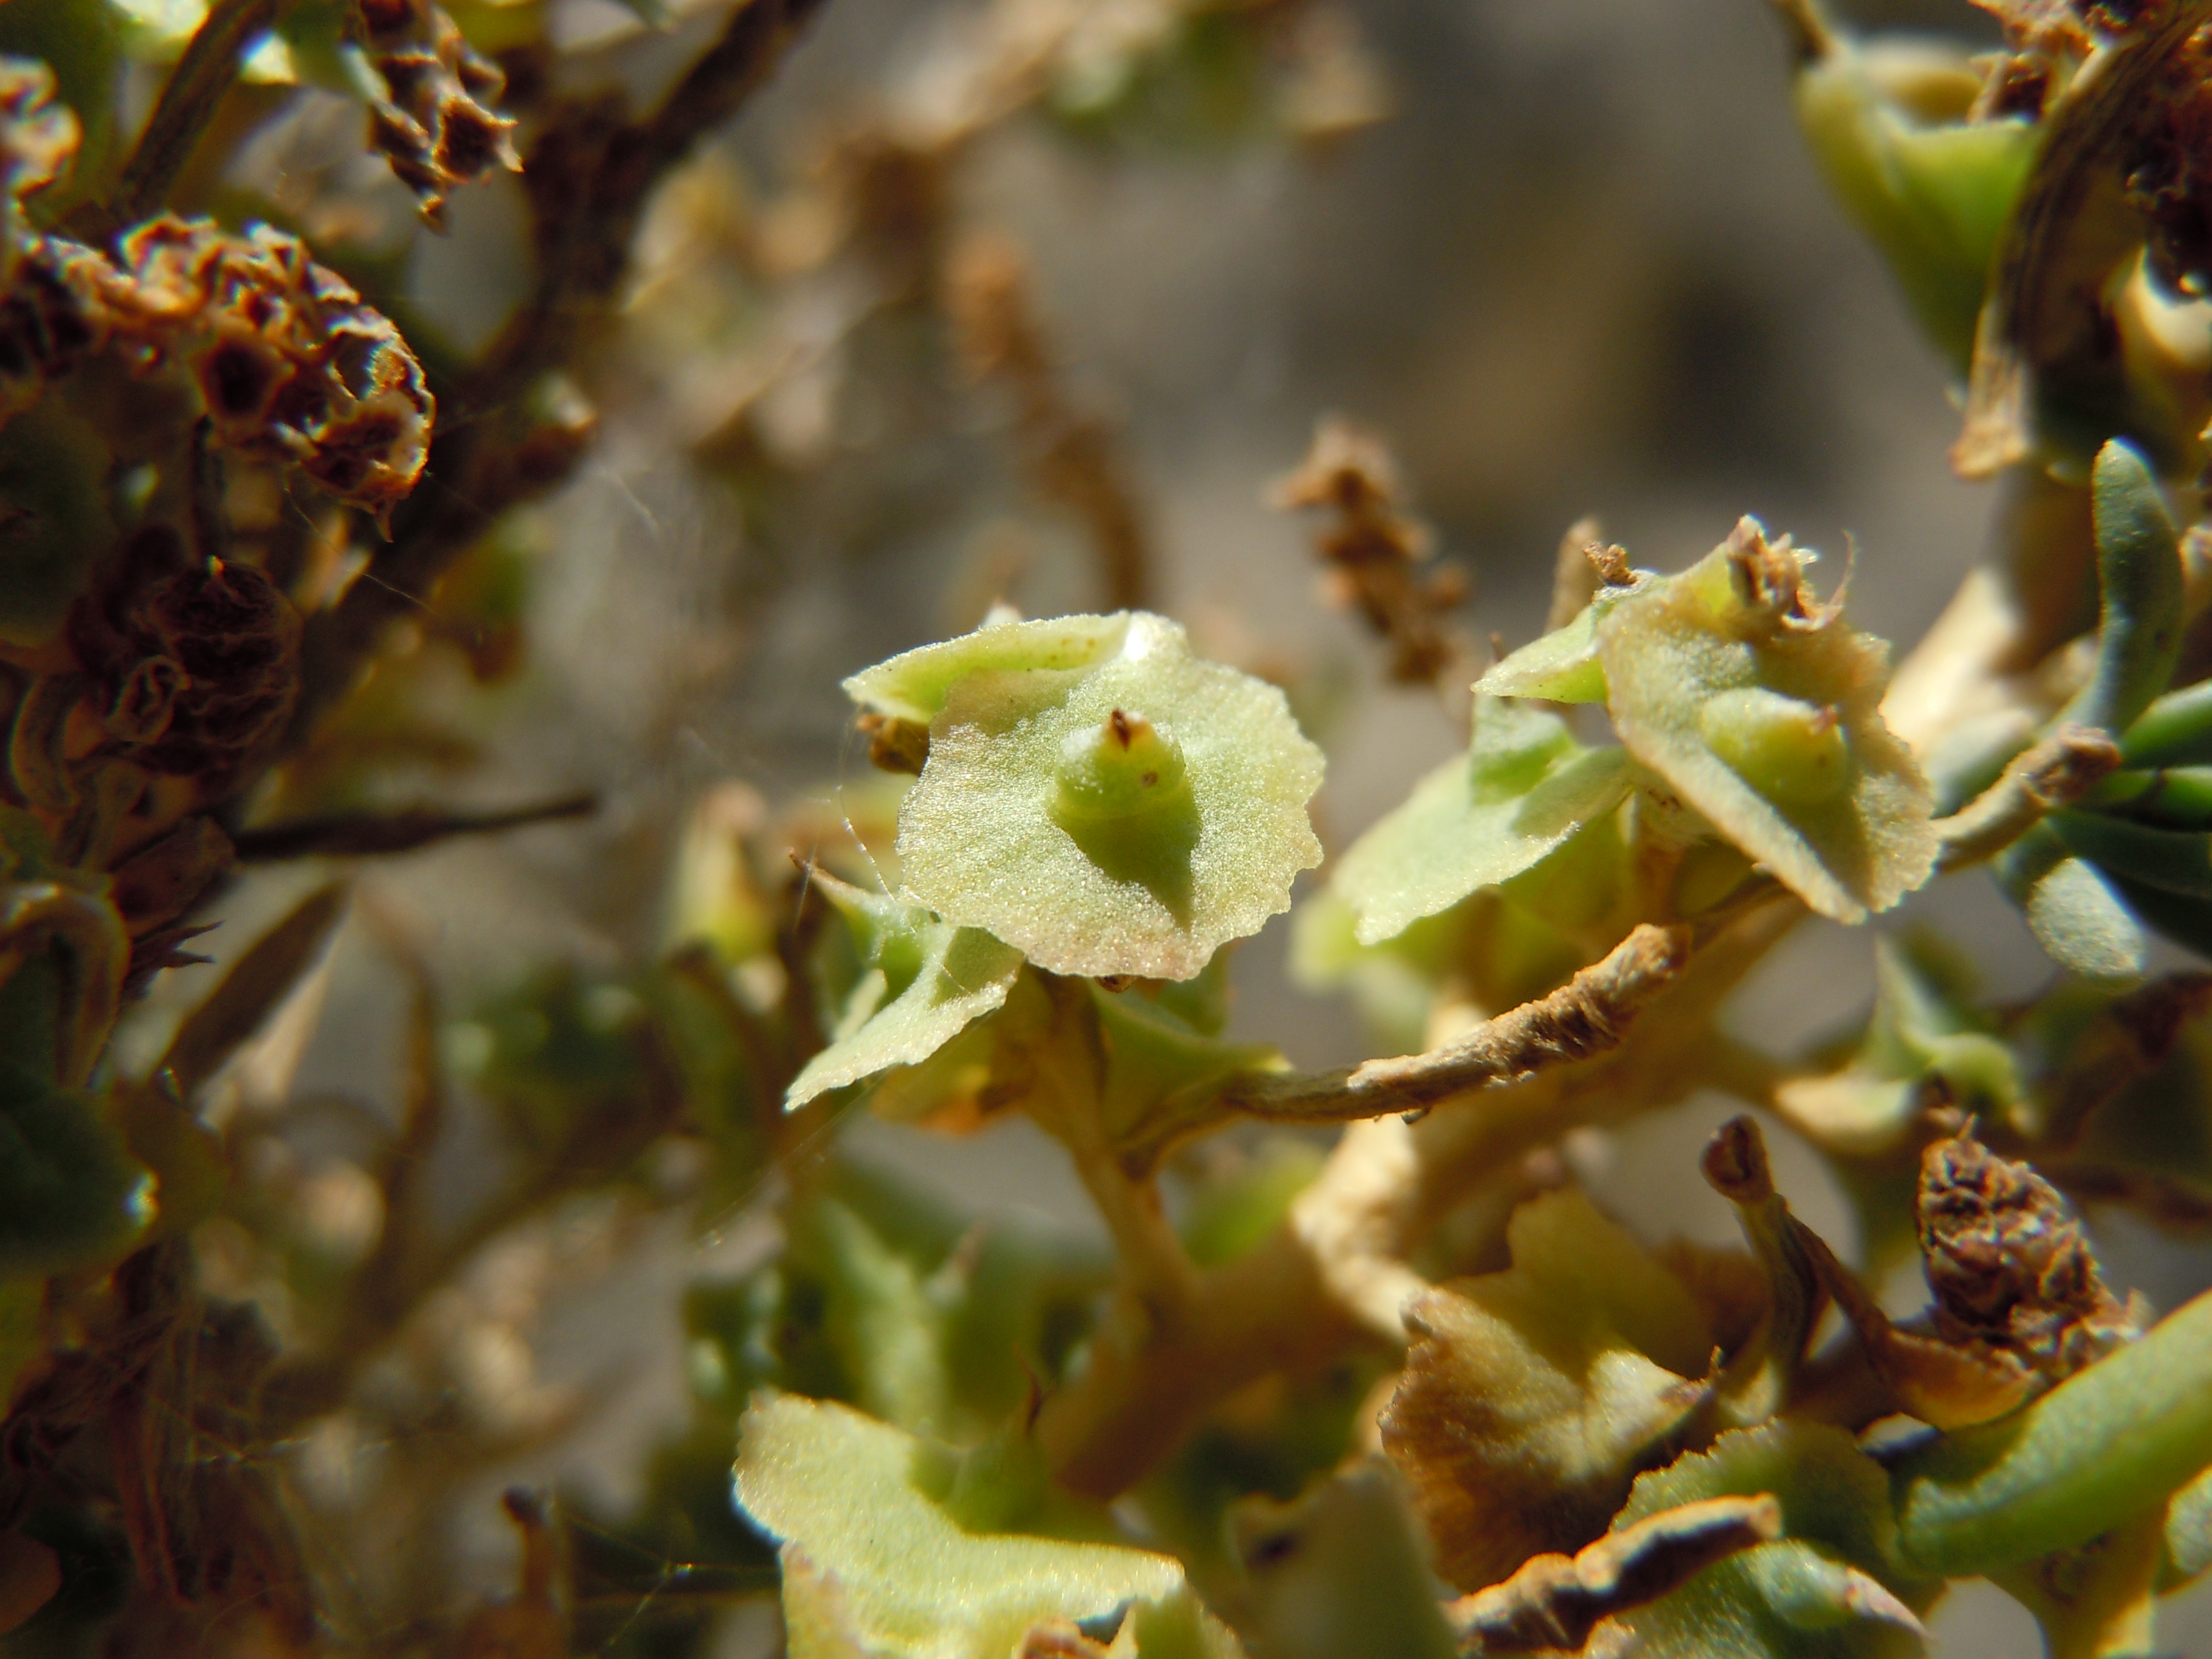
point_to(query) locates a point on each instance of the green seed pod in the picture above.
(1125, 768)
(1792, 751)
(1122, 792)
(1930, 190)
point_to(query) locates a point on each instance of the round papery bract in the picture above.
(914, 684)
(1680, 654)
(984, 836)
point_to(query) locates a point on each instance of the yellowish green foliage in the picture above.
(1885, 122)
(2107, 1444)
(1833, 1587)
(1523, 787)
(925, 980)
(876, 1567)
(1761, 708)
(1128, 814)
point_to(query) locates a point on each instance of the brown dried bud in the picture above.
(2170, 178)
(37, 142)
(237, 640)
(436, 127)
(894, 745)
(2009, 1264)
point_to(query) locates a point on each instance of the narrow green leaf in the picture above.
(2139, 579)
(2176, 860)
(2109, 1443)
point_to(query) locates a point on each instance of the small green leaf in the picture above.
(1162, 1072)
(1834, 1586)
(1562, 665)
(2113, 1441)
(874, 1568)
(2139, 578)
(925, 981)
(1040, 818)
(1762, 709)
(70, 1194)
(2173, 861)
(2073, 911)
(1524, 786)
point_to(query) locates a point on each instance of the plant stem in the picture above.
(187, 104)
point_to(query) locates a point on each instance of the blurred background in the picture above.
(1582, 265)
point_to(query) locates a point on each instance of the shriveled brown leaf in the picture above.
(1555, 1601)
(1532, 1398)
(252, 991)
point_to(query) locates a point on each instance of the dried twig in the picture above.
(1588, 1016)
(2055, 772)
(1336, 1270)
(368, 835)
(589, 176)
(187, 104)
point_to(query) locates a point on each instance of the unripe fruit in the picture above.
(1792, 751)
(1124, 767)
(1120, 791)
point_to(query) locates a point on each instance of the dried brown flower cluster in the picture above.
(289, 364)
(1374, 552)
(437, 127)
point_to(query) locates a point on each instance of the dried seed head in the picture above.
(2009, 1265)
(436, 126)
(236, 640)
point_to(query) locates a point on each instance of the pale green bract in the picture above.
(1697, 667)
(925, 981)
(1835, 1585)
(1523, 787)
(875, 1567)
(1017, 826)
(914, 684)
